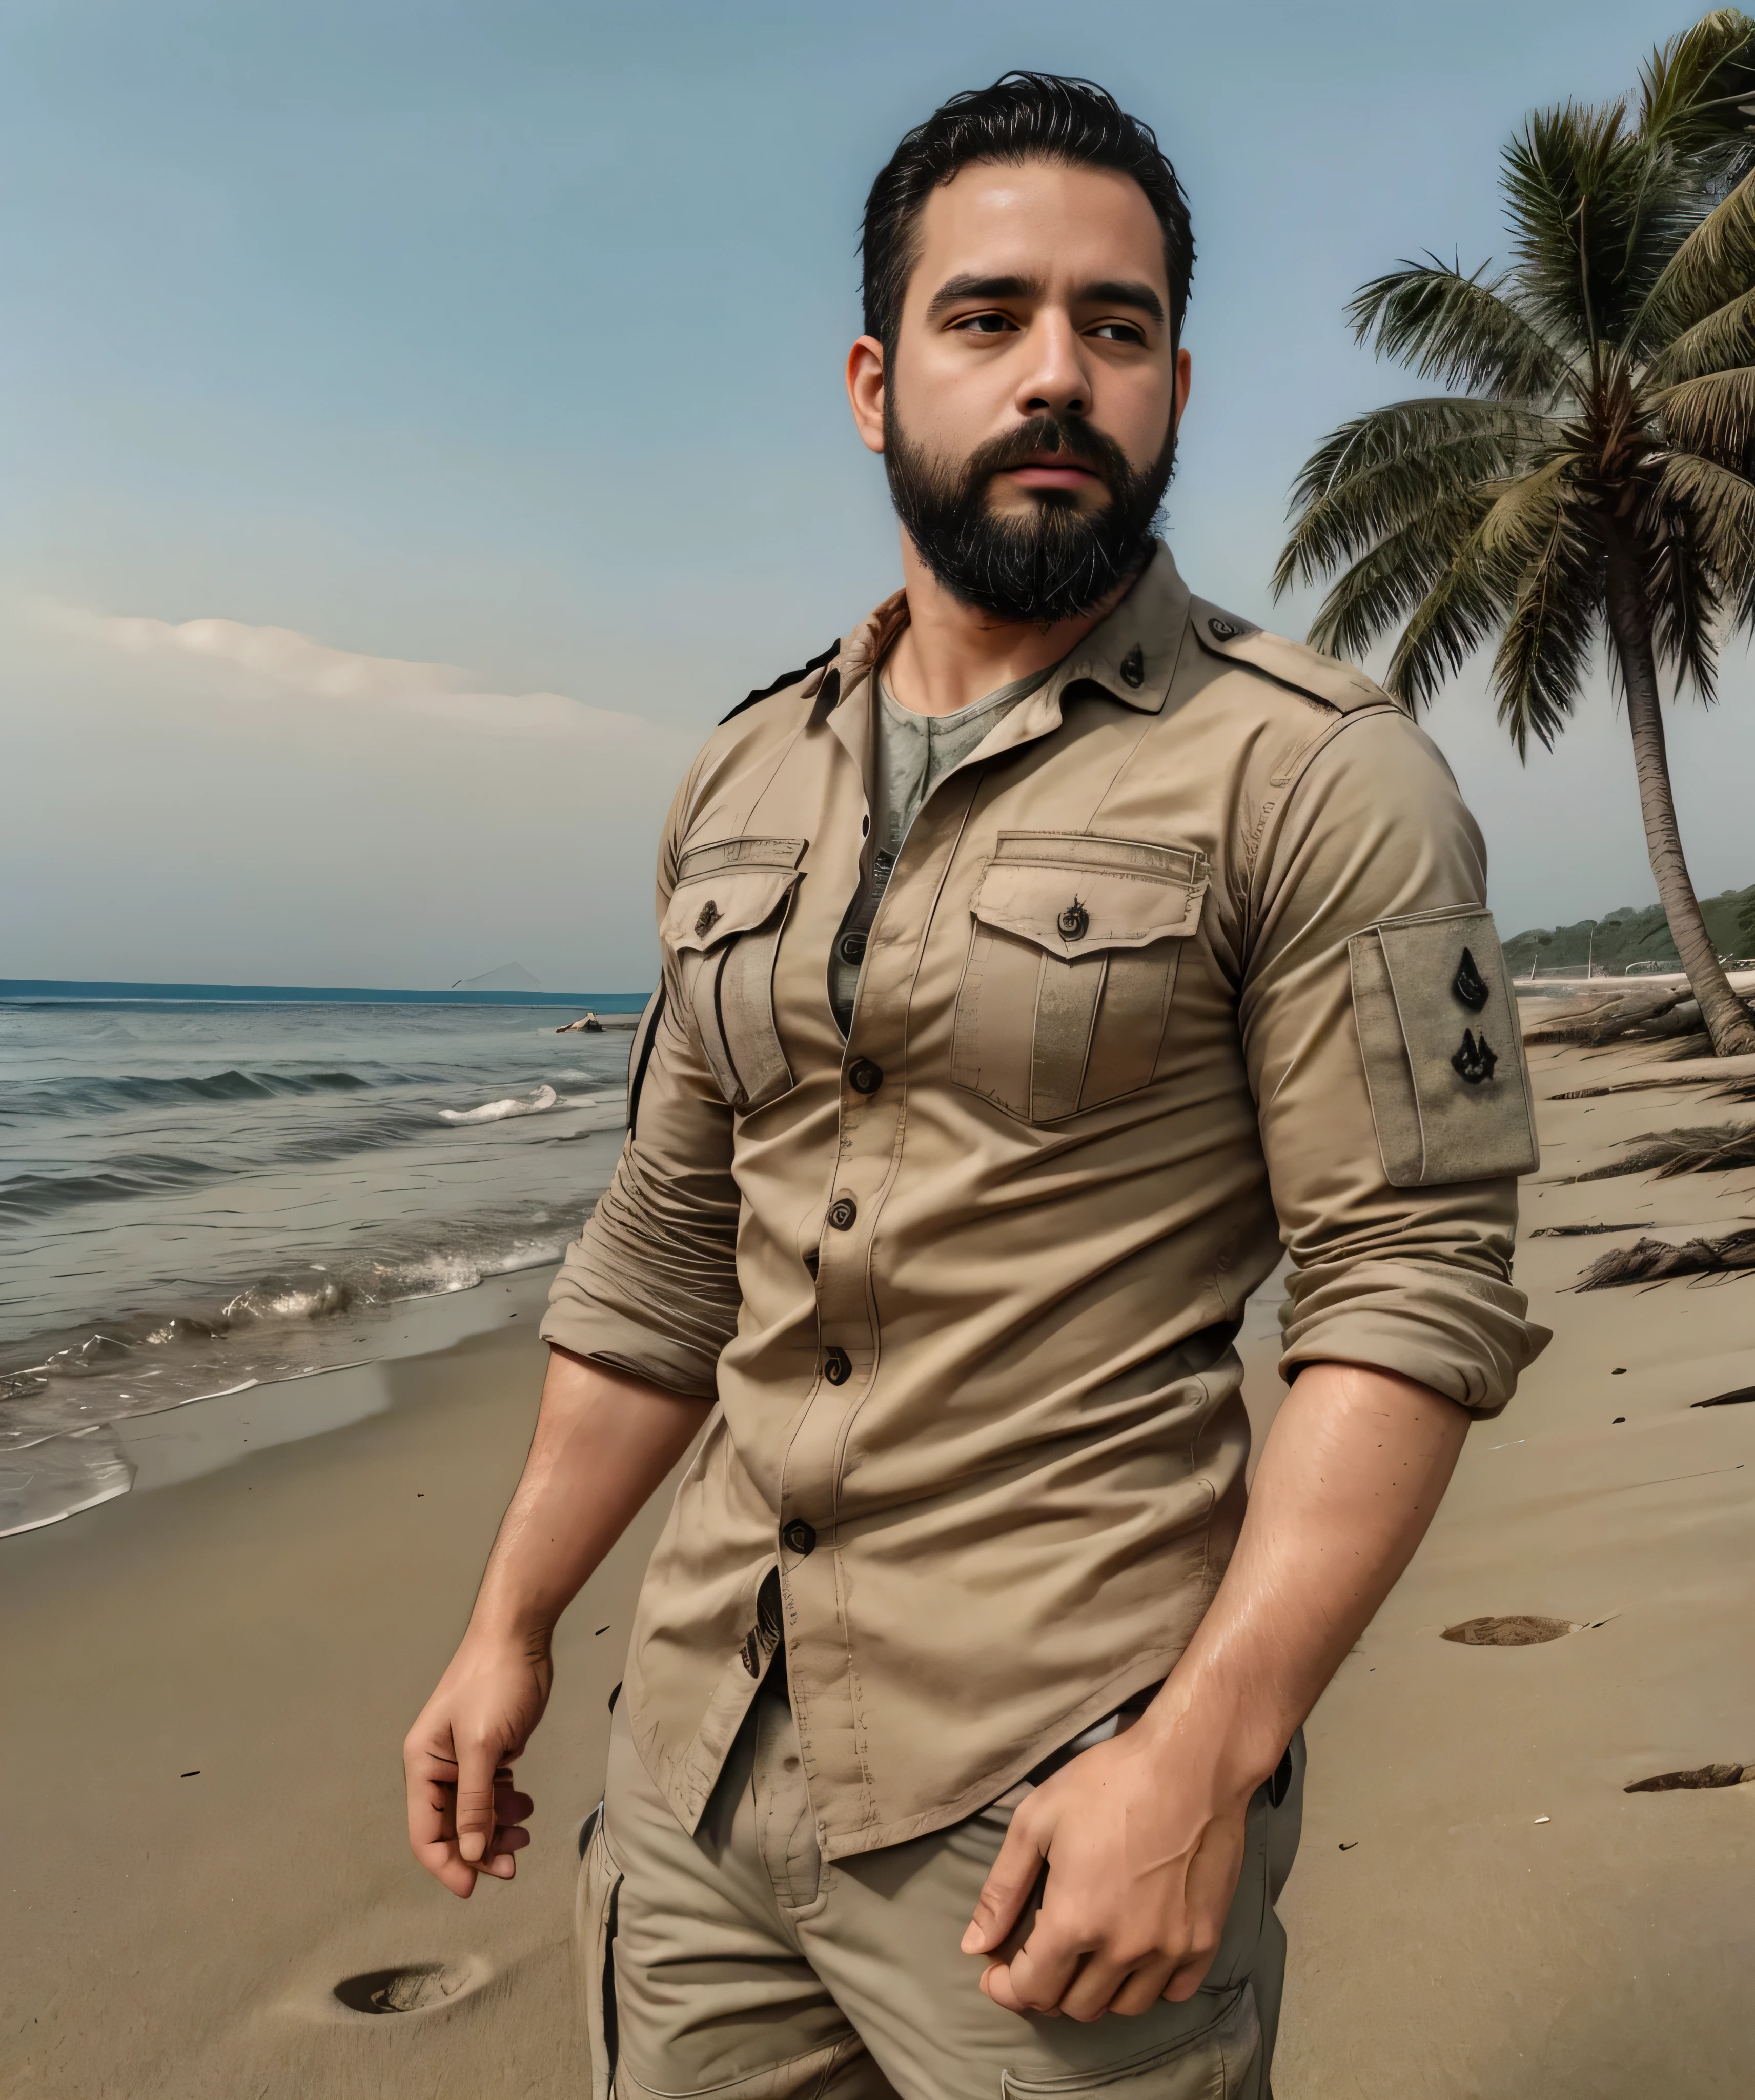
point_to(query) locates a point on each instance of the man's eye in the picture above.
(986, 324)
(1119, 332)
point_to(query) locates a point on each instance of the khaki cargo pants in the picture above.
(738, 1963)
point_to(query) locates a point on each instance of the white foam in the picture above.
(514, 1104)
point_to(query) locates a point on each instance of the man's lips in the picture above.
(1052, 471)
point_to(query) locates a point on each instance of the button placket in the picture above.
(870, 1120)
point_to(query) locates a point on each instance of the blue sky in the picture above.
(470, 374)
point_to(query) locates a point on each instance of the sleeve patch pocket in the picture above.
(1444, 1053)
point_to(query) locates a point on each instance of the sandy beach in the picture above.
(208, 1680)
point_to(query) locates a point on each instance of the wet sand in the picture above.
(272, 1623)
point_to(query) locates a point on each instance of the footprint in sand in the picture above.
(1521, 1629)
(418, 1988)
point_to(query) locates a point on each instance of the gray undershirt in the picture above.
(912, 754)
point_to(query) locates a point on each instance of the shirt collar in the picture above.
(1131, 653)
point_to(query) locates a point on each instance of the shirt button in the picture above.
(865, 1078)
(852, 947)
(837, 1367)
(842, 1212)
(799, 1536)
(1074, 922)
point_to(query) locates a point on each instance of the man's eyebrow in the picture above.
(1121, 292)
(1106, 292)
(972, 285)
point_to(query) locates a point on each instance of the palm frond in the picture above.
(1684, 598)
(1595, 219)
(1384, 469)
(1697, 91)
(1518, 524)
(1726, 337)
(1394, 577)
(1719, 504)
(1457, 616)
(1713, 264)
(1461, 330)
(1713, 416)
(1539, 666)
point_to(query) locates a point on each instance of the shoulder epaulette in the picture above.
(1308, 671)
(784, 679)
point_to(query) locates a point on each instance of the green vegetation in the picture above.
(1626, 937)
(1592, 482)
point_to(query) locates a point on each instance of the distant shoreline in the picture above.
(72, 990)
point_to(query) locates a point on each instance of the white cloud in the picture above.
(280, 660)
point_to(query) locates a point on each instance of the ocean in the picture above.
(196, 1195)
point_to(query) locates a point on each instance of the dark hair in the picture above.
(1022, 116)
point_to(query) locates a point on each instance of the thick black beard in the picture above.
(1049, 564)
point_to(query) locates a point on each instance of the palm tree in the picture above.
(1593, 476)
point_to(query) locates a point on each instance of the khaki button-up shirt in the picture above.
(1187, 961)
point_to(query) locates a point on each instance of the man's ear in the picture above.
(865, 391)
(1185, 380)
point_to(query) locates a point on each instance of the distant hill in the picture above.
(1626, 937)
(509, 977)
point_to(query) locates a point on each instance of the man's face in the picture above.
(1029, 406)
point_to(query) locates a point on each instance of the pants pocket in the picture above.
(1217, 2061)
(596, 1901)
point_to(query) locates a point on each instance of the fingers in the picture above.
(433, 1790)
(479, 1776)
(1190, 1978)
(1009, 1883)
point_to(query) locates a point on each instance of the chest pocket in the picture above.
(723, 927)
(1071, 969)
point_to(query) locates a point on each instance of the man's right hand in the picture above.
(604, 1440)
(464, 1817)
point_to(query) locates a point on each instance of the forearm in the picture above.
(1350, 1478)
(604, 1441)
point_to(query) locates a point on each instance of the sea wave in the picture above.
(82, 1094)
(33, 1198)
(287, 1324)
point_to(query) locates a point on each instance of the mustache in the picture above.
(1047, 434)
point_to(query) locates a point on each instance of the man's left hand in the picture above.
(1143, 1851)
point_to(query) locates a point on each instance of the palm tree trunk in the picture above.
(1728, 1020)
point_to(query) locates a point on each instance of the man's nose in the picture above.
(1053, 380)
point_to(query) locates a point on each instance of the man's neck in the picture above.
(951, 654)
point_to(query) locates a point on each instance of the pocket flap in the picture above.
(729, 887)
(1076, 894)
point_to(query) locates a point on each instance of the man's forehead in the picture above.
(1041, 222)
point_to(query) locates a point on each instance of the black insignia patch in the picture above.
(1474, 1061)
(1469, 985)
(1133, 666)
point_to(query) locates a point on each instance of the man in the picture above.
(1034, 965)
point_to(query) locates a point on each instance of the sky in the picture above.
(425, 420)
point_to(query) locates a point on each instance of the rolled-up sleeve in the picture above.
(650, 1285)
(1416, 1281)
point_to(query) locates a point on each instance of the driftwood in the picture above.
(1652, 1261)
(1715, 1149)
(1611, 1015)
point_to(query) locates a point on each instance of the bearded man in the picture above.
(1037, 964)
